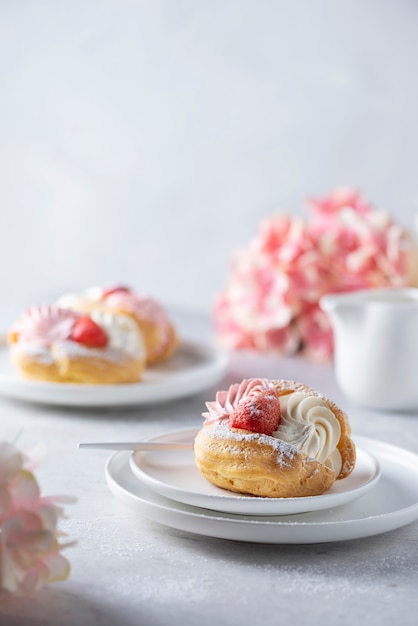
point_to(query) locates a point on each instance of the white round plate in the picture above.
(390, 504)
(193, 368)
(174, 475)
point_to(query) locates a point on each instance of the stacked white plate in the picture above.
(380, 495)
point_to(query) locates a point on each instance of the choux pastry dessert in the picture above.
(274, 438)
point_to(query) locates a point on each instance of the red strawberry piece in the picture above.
(117, 288)
(259, 413)
(87, 332)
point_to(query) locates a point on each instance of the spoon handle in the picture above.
(139, 445)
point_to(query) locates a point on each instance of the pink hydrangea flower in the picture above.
(29, 540)
(270, 302)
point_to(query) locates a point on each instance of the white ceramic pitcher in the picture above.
(376, 346)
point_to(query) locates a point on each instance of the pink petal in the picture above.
(58, 567)
(284, 341)
(11, 572)
(33, 579)
(11, 461)
(6, 501)
(25, 531)
(34, 456)
(49, 514)
(316, 332)
(25, 489)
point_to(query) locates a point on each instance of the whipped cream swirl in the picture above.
(82, 300)
(147, 310)
(124, 300)
(122, 332)
(309, 424)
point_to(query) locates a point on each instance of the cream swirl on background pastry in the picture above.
(154, 323)
(122, 333)
(85, 300)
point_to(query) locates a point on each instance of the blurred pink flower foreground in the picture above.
(29, 546)
(270, 302)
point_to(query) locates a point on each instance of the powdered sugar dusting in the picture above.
(69, 350)
(74, 350)
(37, 353)
(285, 451)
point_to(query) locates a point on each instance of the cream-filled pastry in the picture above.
(274, 438)
(50, 343)
(158, 331)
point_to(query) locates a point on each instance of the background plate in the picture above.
(175, 475)
(390, 504)
(193, 368)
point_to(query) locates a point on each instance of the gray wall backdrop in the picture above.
(142, 141)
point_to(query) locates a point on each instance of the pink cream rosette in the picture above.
(29, 539)
(271, 299)
(227, 400)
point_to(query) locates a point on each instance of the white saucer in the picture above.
(175, 475)
(390, 504)
(193, 368)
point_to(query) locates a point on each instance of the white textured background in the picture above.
(142, 141)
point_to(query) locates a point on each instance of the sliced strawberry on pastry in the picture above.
(87, 332)
(258, 412)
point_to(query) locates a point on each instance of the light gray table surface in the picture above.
(129, 570)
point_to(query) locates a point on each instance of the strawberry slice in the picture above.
(87, 332)
(117, 288)
(259, 413)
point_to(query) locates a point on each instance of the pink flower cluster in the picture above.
(271, 300)
(29, 546)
